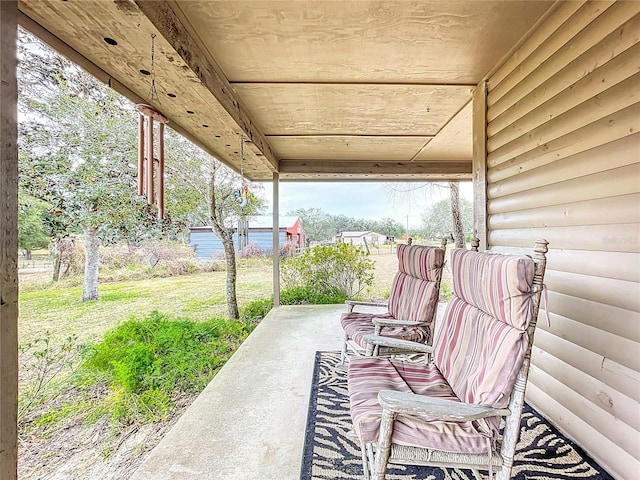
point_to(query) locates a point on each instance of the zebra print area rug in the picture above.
(331, 454)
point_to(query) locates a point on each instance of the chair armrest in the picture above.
(438, 408)
(367, 304)
(352, 303)
(392, 322)
(391, 342)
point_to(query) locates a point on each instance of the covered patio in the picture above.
(249, 423)
(537, 102)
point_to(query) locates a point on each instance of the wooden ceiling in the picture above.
(317, 89)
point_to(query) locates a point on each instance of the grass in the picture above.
(148, 363)
(198, 297)
(124, 377)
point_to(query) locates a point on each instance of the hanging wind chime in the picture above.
(241, 196)
(147, 156)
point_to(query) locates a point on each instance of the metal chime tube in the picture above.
(141, 154)
(149, 152)
(160, 193)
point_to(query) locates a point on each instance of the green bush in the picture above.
(446, 290)
(327, 268)
(308, 295)
(256, 310)
(149, 362)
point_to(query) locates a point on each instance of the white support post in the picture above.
(276, 239)
(8, 241)
(480, 165)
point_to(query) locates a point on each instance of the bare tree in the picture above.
(456, 216)
(409, 191)
(221, 203)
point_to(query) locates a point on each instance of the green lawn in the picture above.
(59, 310)
(72, 404)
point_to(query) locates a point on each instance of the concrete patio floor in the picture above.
(249, 422)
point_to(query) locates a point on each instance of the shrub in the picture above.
(325, 268)
(446, 290)
(308, 295)
(251, 251)
(145, 255)
(289, 249)
(45, 369)
(148, 363)
(256, 310)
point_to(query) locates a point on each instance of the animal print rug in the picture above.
(331, 453)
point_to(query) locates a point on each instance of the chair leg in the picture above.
(343, 352)
(384, 445)
(505, 471)
(365, 461)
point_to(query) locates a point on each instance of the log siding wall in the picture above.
(563, 163)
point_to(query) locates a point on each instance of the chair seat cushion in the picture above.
(357, 325)
(368, 375)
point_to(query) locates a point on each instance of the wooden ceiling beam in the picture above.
(390, 168)
(176, 34)
(348, 135)
(64, 49)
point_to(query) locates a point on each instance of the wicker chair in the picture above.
(412, 304)
(448, 413)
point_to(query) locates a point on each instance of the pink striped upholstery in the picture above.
(477, 353)
(414, 296)
(499, 285)
(357, 325)
(479, 356)
(483, 337)
(369, 375)
(415, 287)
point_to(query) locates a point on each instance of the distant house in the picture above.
(358, 238)
(259, 233)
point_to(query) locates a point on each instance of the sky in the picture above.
(404, 202)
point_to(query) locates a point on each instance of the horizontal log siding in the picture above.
(591, 436)
(563, 163)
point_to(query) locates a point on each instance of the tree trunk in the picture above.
(28, 255)
(56, 266)
(458, 230)
(57, 247)
(230, 259)
(92, 257)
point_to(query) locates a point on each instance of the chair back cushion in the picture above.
(482, 341)
(415, 287)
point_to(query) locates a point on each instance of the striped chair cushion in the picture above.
(500, 285)
(414, 291)
(482, 342)
(478, 355)
(420, 261)
(357, 325)
(368, 375)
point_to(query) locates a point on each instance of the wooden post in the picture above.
(8, 241)
(160, 190)
(276, 239)
(480, 164)
(141, 188)
(149, 154)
